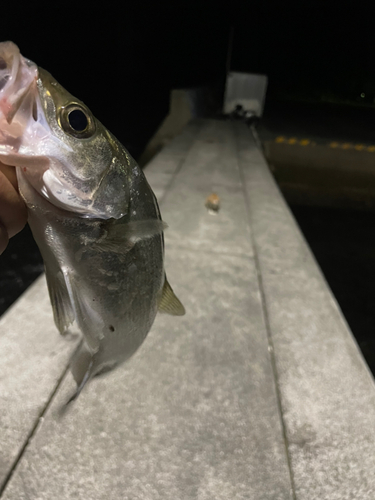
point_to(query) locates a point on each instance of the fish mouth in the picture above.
(18, 90)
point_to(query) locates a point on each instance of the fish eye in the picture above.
(77, 121)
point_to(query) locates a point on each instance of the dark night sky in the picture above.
(318, 46)
(123, 61)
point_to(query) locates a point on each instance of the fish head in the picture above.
(59, 148)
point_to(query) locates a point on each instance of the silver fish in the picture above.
(92, 214)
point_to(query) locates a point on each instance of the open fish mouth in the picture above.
(4, 73)
(18, 90)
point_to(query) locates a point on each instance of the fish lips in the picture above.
(18, 90)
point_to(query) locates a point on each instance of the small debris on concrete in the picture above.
(213, 204)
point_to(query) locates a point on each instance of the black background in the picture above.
(122, 59)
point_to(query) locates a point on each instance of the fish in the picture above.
(92, 213)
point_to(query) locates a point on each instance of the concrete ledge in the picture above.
(258, 392)
(327, 392)
(32, 361)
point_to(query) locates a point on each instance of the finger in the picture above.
(10, 174)
(13, 213)
(3, 238)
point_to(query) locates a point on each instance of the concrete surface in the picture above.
(32, 361)
(327, 392)
(259, 392)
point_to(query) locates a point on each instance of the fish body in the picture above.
(92, 214)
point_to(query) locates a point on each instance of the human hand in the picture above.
(13, 213)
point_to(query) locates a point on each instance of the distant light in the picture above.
(363, 95)
(304, 142)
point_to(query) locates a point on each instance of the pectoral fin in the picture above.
(169, 303)
(140, 229)
(120, 238)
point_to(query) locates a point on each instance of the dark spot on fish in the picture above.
(3, 63)
(112, 328)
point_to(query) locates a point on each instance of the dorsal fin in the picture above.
(168, 302)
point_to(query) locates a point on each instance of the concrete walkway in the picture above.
(259, 392)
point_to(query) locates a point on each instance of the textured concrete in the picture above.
(195, 413)
(161, 170)
(210, 167)
(192, 416)
(33, 358)
(259, 392)
(327, 392)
